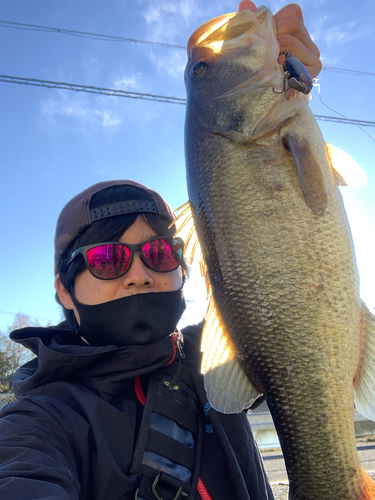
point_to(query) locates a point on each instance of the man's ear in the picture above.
(63, 294)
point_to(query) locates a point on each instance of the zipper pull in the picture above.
(173, 385)
(179, 344)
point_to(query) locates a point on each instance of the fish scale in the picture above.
(279, 258)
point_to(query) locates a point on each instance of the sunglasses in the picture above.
(109, 261)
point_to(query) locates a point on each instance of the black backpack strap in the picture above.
(169, 444)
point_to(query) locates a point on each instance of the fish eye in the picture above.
(199, 68)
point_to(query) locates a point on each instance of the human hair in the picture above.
(109, 229)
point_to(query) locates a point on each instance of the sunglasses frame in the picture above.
(132, 247)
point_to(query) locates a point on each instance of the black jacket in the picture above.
(72, 431)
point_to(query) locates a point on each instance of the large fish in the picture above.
(285, 317)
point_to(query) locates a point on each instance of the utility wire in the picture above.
(138, 95)
(83, 34)
(91, 89)
(348, 71)
(362, 123)
(113, 38)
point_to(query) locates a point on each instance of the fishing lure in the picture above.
(296, 74)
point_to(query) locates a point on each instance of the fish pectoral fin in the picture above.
(364, 381)
(228, 388)
(347, 172)
(309, 173)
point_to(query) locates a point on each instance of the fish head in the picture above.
(232, 75)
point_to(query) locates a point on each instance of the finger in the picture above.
(291, 9)
(294, 27)
(247, 5)
(298, 49)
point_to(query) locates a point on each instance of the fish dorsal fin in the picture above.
(228, 388)
(184, 223)
(364, 381)
(309, 173)
(346, 171)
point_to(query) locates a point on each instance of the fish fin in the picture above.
(309, 173)
(228, 388)
(346, 171)
(367, 486)
(364, 381)
(186, 230)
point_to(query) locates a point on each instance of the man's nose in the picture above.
(138, 275)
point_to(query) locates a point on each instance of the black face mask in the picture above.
(134, 320)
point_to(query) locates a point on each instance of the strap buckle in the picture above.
(179, 492)
(168, 484)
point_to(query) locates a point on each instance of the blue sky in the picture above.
(54, 143)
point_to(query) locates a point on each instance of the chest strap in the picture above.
(169, 444)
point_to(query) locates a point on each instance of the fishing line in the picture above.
(343, 116)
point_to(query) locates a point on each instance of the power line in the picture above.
(90, 89)
(138, 95)
(113, 38)
(348, 71)
(362, 123)
(83, 34)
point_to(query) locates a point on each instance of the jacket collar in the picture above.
(62, 356)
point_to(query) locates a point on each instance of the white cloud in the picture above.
(317, 28)
(126, 82)
(166, 18)
(83, 111)
(164, 9)
(338, 35)
(86, 112)
(170, 64)
(329, 61)
(343, 33)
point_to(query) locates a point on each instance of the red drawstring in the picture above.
(138, 391)
(202, 490)
(138, 386)
(174, 335)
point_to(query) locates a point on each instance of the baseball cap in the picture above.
(76, 216)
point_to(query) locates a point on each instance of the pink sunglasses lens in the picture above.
(108, 261)
(163, 254)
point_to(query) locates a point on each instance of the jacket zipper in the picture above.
(177, 346)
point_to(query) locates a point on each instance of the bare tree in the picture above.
(13, 355)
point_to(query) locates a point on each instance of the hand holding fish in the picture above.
(292, 35)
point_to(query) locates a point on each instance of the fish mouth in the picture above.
(228, 32)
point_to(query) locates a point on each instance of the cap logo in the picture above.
(123, 208)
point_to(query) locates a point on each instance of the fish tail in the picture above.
(368, 487)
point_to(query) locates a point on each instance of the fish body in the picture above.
(278, 251)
